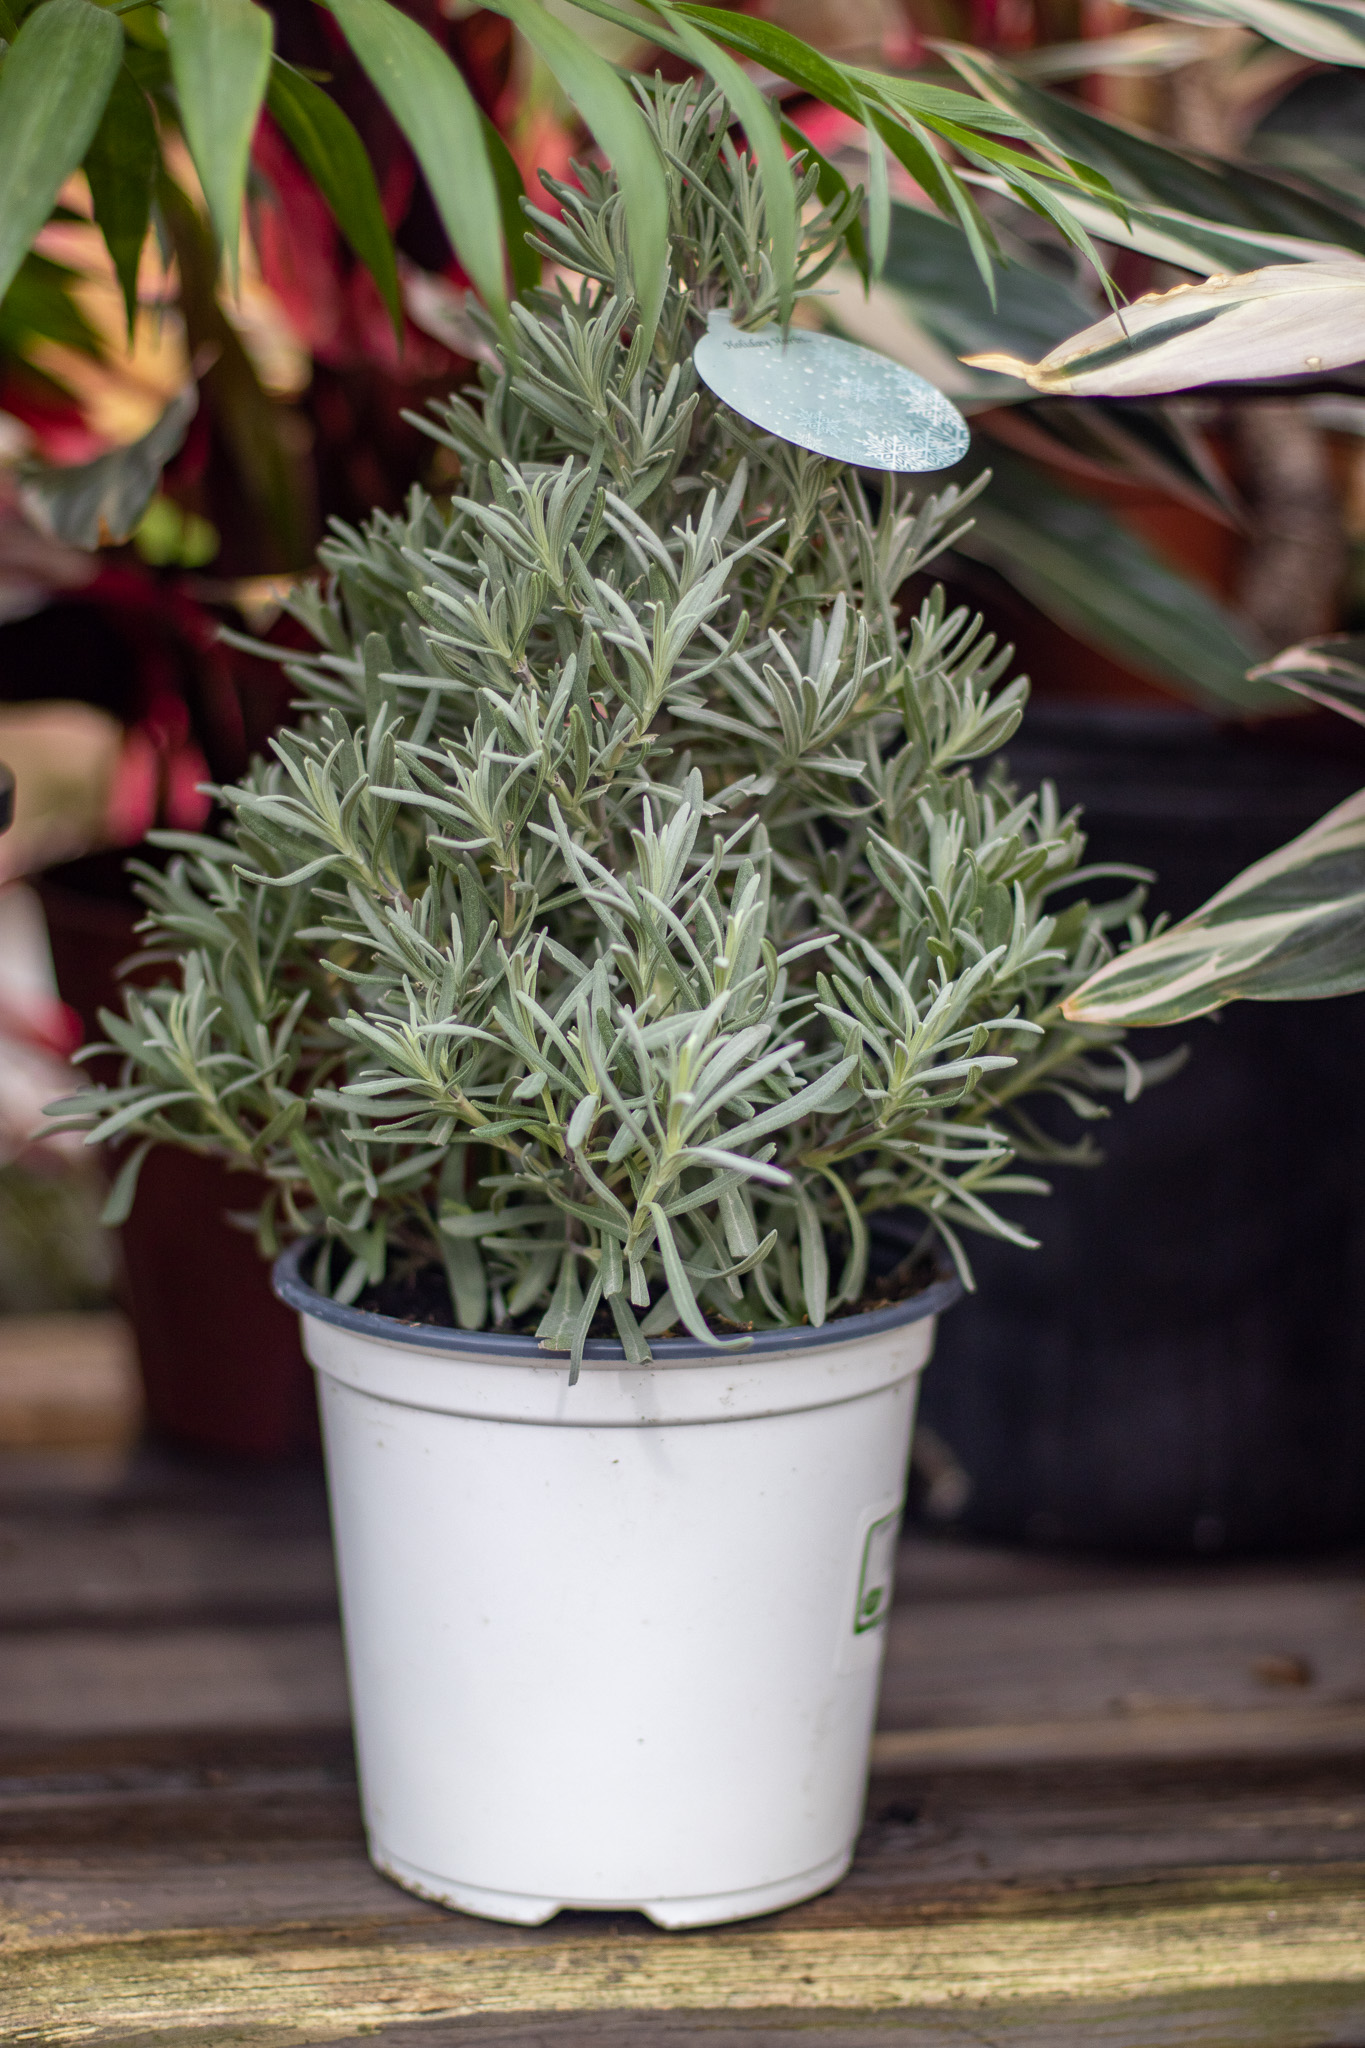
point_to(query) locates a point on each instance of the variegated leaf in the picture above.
(1288, 320)
(1333, 31)
(1331, 671)
(1292, 926)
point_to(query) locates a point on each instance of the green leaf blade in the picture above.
(437, 113)
(120, 166)
(765, 140)
(220, 62)
(611, 112)
(54, 86)
(335, 158)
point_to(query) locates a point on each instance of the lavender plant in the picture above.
(629, 915)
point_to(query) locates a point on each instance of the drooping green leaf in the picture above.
(336, 160)
(1291, 927)
(90, 504)
(1181, 238)
(56, 79)
(1316, 131)
(1074, 559)
(39, 305)
(930, 266)
(1148, 172)
(437, 113)
(614, 116)
(220, 61)
(1332, 31)
(253, 427)
(838, 85)
(523, 260)
(1284, 321)
(120, 165)
(765, 140)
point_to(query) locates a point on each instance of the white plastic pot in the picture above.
(616, 1644)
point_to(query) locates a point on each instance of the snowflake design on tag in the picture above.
(831, 396)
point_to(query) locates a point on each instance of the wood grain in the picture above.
(1112, 1804)
(1308, 1944)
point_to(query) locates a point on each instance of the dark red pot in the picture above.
(221, 1362)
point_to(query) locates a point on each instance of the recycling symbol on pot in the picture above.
(831, 396)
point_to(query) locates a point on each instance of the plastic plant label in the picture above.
(831, 396)
(877, 1576)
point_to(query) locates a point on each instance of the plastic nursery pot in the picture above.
(615, 1644)
(1181, 1366)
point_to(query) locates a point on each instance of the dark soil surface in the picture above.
(420, 1295)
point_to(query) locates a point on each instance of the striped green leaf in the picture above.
(220, 61)
(522, 259)
(335, 159)
(437, 113)
(58, 74)
(1291, 927)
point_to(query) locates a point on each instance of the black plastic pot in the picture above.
(1182, 1366)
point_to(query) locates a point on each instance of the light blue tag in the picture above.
(831, 396)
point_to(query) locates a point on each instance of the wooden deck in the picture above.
(1111, 1805)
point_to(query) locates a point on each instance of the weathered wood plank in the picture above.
(1311, 1731)
(68, 1379)
(1298, 1945)
(1114, 1805)
(1197, 1645)
(1239, 2019)
(144, 1846)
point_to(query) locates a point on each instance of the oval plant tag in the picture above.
(831, 396)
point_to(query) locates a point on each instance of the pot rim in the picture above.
(495, 1345)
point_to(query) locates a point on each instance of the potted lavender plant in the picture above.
(627, 919)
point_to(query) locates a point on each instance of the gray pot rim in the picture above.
(296, 1293)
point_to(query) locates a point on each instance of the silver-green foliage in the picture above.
(624, 921)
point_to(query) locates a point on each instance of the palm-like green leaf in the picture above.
(57, 77)
(335, 159)
(1292, 926)
(220, 61)
(437, 113)
(39, 306)
(522, 258)
(765, 139)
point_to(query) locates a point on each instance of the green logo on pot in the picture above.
(877, 1574)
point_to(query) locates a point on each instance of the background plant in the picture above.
(623, 922)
